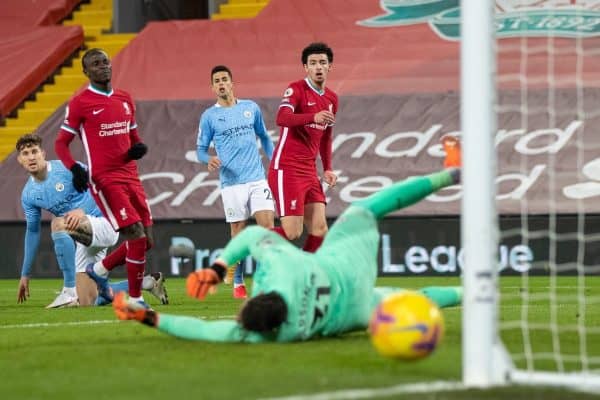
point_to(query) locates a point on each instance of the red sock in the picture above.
(136, 263)
(116, 257)
(280, 231)
(312, 243)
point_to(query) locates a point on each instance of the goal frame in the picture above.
(485, 361)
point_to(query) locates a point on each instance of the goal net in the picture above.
(531, 125)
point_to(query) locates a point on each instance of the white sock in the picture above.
(133, 299)
(71, 291)
(100, 270)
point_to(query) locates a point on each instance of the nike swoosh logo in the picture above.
(311, 104)
(96, 112)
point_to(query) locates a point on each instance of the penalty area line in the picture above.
(408, 388)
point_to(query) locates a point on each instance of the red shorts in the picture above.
(292, 191)
(123, 204)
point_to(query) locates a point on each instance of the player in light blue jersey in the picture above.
(76, 217)
(233, 125)
(297, 295)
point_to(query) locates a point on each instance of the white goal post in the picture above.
(485, 360)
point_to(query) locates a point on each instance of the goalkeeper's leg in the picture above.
(442, 296)
(408, 192)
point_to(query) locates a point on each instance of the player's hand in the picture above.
(324, 117)
(137, 151)
(73, 218)
(214, 163)
(201, 282)
(330, 178)
(80, 177)
(23, 291)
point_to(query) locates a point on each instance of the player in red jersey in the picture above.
(306, 116)
(104, 119)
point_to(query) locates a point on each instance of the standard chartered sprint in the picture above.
(448, 259)
(114, 128)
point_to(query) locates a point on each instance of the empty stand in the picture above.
(239, 9)
(95, 19)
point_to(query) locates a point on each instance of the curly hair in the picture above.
(317, 48)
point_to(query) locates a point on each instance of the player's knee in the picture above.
(58, 224)
(293, 234)
(319, 230)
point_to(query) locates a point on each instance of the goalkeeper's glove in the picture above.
(204, 281)
(137, 151)
(80, 178)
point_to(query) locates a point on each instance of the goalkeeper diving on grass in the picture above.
(298, 295)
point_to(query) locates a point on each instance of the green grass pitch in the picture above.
(84, 353)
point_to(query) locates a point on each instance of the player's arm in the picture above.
(32, 242)
(138, 149)
(205, 136)
(287, 115)
(326, 152)
(68, 130)
(210, 331)
(261, 131)
(248, 242)
(184, 327)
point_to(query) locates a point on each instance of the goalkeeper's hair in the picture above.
(28, 140)
(317, 48)
(264, 313)
(220, 68)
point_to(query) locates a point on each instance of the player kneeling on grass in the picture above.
(80, 233)
(298, 295)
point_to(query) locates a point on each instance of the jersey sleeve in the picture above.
(73, 117)
(211, 331)
(205, 135)
(287, 114)
(291, 97)
(133, 127)
(261, 131)
(250, 241)
(33, 216)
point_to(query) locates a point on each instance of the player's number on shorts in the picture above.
(268, 194)
(322, 306)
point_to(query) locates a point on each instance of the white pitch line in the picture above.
(425, 387)
(59, 324)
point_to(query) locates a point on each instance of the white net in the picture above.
(548, 147)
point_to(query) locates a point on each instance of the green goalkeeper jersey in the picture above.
(327, 293)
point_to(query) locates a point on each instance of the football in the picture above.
(406, 326)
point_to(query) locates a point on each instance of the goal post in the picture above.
(540, 82)
(479, 224)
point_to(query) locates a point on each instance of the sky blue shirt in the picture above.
(55, 194)
(233, 130)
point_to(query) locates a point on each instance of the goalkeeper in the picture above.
(298, 295)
